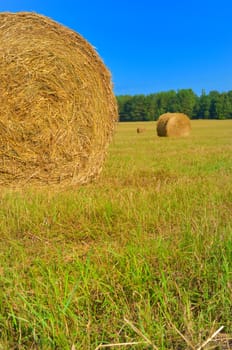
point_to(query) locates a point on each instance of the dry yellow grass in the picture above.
(150, 243)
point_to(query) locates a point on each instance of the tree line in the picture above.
(214, 105)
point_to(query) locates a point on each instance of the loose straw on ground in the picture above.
(136, 330)
(210, 338)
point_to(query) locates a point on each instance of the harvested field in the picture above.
(145, 251)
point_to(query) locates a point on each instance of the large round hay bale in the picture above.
(57, 107)
(173, 124)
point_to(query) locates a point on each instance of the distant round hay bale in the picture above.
(57, 108)
(173, 124)
(140, 130)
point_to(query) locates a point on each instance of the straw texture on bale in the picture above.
(57, 107)
(173, 124)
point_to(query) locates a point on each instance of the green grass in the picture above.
(149, 241)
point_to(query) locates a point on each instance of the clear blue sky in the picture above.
(151, 45)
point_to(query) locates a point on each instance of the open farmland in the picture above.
(149, 245)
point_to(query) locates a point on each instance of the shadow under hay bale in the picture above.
(57, 108)
(173, 124)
